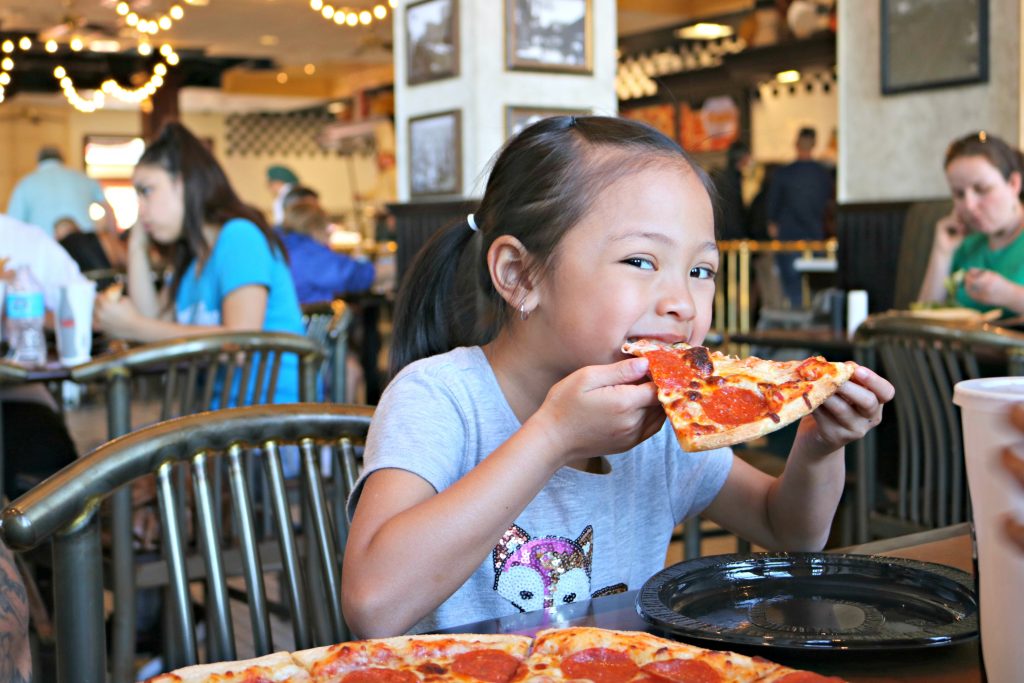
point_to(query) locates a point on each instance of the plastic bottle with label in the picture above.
(24, 312)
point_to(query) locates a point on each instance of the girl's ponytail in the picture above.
(433, 309)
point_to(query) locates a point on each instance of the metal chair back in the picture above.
(924, 359)
(196, 374)
(64, 510)
(328, 324)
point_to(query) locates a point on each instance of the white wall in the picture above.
(891, 147)
(484, 88)
(775, 120)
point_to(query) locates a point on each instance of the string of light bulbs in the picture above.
(149, 26)
(345, 16)
(7, 62)
(111, 88)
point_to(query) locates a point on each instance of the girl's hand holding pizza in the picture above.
(116, 316)
(601, 409)
(846, 416)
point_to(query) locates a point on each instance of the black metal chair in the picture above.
(328, 324)
(245, 365)
(64, 510)
(924, 359)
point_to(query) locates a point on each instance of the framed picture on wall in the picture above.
(431, 40)
(933, 44)
(435, 154)
(549, 35)
(517, 118)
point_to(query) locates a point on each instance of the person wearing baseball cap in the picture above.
(280, 180)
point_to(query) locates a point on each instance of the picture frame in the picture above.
(933, 44)
(431, 40)
(549, 35)
(518, 117)
(435, 154)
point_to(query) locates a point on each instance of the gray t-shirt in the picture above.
(583, 536)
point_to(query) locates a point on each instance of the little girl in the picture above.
(519, 460)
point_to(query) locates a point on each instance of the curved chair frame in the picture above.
(64, 509)
(328, 323)
(190, 356)
(924, 359)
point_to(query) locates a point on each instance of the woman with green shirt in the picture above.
(977, 257)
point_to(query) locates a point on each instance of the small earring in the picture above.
(523, 313)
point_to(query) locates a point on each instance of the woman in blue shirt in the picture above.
(229, 270)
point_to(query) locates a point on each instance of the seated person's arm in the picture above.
(949, 234)
(15, 656)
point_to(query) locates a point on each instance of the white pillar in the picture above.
(485, 87)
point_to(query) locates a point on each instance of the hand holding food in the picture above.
(114, 314)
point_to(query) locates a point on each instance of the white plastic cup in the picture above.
(856, 309)
(74, 338)
(984, 411)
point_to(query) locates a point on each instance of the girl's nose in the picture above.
(676, 302)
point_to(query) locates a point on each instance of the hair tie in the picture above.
(472, 222)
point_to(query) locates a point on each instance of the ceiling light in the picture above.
(132, 19)
(282, 78)
(51, 46)
(365, 17)
(145, 49)
(164, 22)
(380, 11)
(790, 76)
(59, 72)
(268, 40)
(176, 12)
(76, 44)
(197, 3)
(123, 8)
(7, 64)
(327, 11)
(309, 69)
(8, 46)
(352, 19)
(5, 78)
(25, 43)
(166, 49)
(316, 5)
(172, 59)
(704, 31)
(160, 70)
(105, 46)
(339, 18)
(391, 4)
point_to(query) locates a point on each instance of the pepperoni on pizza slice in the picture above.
(714, 400)
(463, 658)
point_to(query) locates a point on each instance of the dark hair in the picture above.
(209, 198)
(994, 149)
(737, 151)
(299, 192)
(50, 152)
(807, 132)
(542, 183)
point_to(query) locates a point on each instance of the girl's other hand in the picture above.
(602, 409)
(949, 233)
(847, 415)
(117, 317)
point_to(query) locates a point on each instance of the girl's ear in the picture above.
(508, 262)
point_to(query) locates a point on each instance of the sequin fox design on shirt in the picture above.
(535, 573)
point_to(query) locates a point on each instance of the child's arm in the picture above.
(410, 547)
(794, 512)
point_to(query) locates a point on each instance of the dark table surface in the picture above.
(954, 663)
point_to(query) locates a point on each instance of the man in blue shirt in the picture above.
(799, 198)
(53, 192)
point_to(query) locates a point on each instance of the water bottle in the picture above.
(25, 312)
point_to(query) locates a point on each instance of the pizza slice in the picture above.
(607, 656)
(714, 400)
(273, 668)
(464, 658)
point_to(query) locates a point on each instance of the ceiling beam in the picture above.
(688, 9)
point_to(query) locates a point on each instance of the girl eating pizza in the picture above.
(518, 459)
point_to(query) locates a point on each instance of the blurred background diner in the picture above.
(865, 155)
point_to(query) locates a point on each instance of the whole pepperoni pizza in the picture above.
(554, 656)
(714, 400)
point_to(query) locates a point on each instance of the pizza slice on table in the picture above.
(714, 400)
(410, 659)
(273, 668)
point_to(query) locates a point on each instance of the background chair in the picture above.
(188, 370)
(328, 324)
(63, 509)
(924, 359)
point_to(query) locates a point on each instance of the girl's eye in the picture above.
(702, 273)
(640, 262)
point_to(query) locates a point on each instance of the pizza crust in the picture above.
(277, 667)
